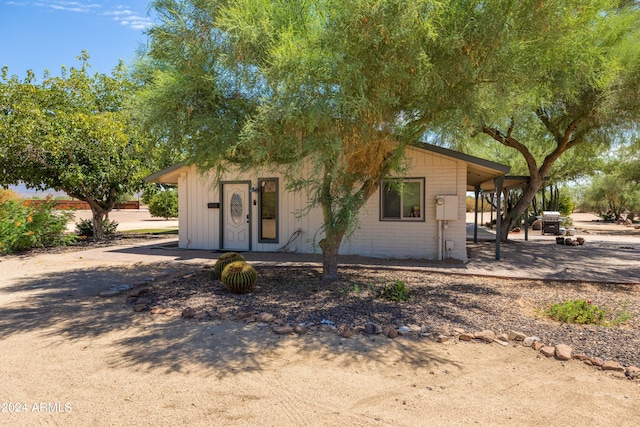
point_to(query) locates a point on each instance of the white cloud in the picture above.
(121, 14)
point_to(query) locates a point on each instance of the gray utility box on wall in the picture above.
(446, 208)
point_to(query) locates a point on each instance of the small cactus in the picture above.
(224, 260)
(239, 277)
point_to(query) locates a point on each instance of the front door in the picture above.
(235, 216)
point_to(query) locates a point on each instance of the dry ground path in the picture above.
(71, 357)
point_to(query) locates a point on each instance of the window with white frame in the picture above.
(402, 200)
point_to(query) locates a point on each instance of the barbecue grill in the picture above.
(551, 222)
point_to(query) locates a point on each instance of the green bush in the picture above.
(84, 227)
(24, 227)
(577, 311)
(164, 204)
(396, 291)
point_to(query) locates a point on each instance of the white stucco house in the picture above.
(255, 212)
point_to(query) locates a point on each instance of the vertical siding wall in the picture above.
(200, 225)
(200, 229)
(412, 239)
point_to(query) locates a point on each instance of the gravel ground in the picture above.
(440, 302)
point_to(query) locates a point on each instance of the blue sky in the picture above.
(46, 34)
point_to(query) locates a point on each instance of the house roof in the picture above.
(480, 172)
(168, 175)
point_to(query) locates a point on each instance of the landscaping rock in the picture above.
(392, 333)
(563, 352)
(632, 372)
(537, 345)
(596, 361)
(503, 337)
(188, 313)
(442, 338)
(486, 336)
(528, 341)
(612, 365)
(282, 330)
(372, 329)
(516, 336)
(300, 329)
(548, 351)
(265, 318)
(465, 337)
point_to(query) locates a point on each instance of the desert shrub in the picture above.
(164, 204)
(24, 227)
(84, 227)
(396, 291)
(576, 311)
(6, 194)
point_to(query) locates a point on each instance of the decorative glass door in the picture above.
(235, 216)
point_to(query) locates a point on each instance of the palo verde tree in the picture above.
(71, 133)
(571, 82)
(332, 92)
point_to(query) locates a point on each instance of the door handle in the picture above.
(247, 218)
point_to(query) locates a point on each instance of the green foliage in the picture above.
(396, 291)
(577, 311)
(24, 227)
(84, 227)
(72, 133)
(224, 260)
(164, 204)
(148, 192)
(239, 277)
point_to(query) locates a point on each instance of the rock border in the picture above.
(136, 296)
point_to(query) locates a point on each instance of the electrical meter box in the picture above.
(446, 208)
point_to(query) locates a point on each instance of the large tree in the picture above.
(575, 85)
(71, 133)
(343, 87)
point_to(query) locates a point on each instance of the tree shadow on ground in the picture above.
(67, 306)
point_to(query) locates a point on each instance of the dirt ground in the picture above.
(71, 357)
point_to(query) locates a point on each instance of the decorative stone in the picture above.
(371, 328)
(597, 361)
(139, 307)
(516, 336)
(280, 322)
(502, 337)
(346, 333)
(563, 352)
(300, 329)
(458, 331)
(548, 351)
(501, 342)
(243, 315)
(528, 341)
(582, 357)
(188, 313)
(326, 328)
(442, 338)
(140, 291)
(282, 330)
(404, 330)
(486, 336)
(612, 365)
(393, 333)
(465, 337)
(265, 318)
(633, 372)
(537, 345)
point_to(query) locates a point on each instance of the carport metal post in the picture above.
(475, 216)
(499, 182)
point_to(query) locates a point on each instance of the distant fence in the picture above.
(80, 205)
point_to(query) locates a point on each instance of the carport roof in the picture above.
(480, 172)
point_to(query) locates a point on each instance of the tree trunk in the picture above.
(330, 260)
(511, 217)
(98, 216)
